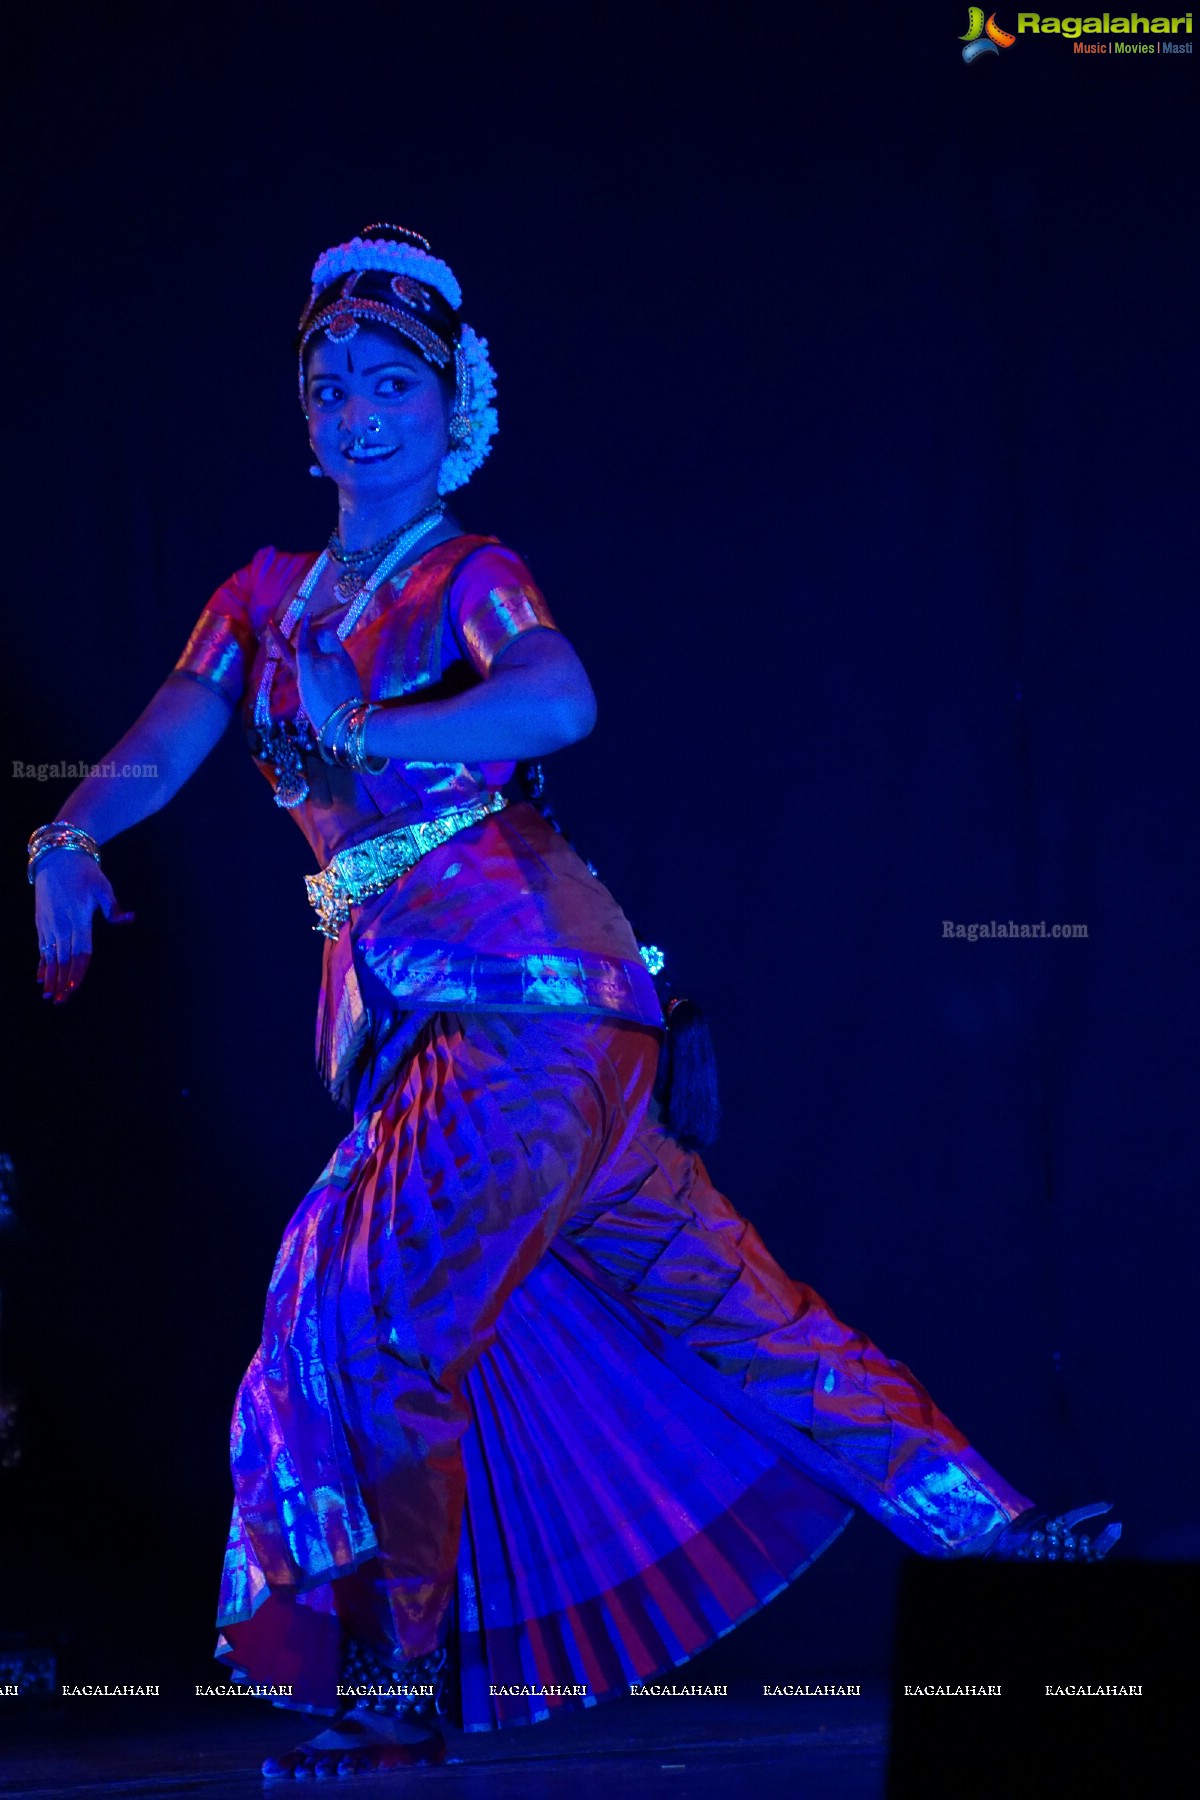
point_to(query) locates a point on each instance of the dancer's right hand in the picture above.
(70, 888)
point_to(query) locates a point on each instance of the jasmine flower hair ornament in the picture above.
(387, 276)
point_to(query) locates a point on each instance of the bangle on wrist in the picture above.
(60, 834)
(330, 732)
(354, 747)
(339, 737)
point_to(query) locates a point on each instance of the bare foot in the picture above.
(358, 1744)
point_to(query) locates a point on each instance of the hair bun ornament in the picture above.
(400, 232)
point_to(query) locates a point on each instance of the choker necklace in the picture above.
(350, 584)
(282, 742)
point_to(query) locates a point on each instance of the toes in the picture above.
(302, 1765)
(327, 1765)
(283, 1768)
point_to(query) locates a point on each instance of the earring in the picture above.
(316, 470)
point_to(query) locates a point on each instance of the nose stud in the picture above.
(374, 422)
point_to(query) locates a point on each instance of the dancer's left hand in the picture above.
(324, 671)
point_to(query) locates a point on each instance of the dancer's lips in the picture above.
(371, 453)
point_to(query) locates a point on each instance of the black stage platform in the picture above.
(1006, 1681)
(685, 1749)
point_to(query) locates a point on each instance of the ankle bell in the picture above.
(1036, 1537)
(416, 1692)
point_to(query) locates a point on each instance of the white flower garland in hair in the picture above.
(362, 254)
(459, 464)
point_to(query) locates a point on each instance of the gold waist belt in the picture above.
(353, 875)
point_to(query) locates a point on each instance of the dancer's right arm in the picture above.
(172, 737)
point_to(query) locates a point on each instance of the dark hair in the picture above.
(382, 292)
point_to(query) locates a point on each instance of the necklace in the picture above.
(283, 742)
(350, 584)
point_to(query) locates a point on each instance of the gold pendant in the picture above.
(349, 586)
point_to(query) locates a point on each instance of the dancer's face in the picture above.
(378, 415)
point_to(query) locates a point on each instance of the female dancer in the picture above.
(535, 1414)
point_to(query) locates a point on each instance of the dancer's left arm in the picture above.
(536, 698)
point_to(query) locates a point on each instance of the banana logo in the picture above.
(984, 39)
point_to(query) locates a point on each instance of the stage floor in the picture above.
(679, 1749)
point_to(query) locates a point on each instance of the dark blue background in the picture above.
(848, 421)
